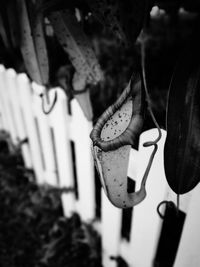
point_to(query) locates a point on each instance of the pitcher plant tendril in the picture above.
(43, 101)
(143, 56)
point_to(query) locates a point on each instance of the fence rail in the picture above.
(58, 150)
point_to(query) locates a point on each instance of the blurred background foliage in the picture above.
(33, 230)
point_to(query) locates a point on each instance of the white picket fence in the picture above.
(49, 153)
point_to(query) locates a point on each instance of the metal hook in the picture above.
(167, 203)
(53, 104)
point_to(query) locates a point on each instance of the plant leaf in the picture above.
(27, 44)
(73, 40)
(83, 98)
(39, 39)
(182, 147)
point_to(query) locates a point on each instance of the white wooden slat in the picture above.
(111, 231)
(146, 224)
(60, 122)
(10, 85)
(188, 251)
(80, 131)
(25, 94)
(133, 164)
(6, 105)
(17, 114)
(50, 171)
(3, 113)
(2, 119)
(125, 250)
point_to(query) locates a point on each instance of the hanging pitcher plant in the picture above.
(113, 135)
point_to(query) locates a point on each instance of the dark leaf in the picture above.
(182, 147)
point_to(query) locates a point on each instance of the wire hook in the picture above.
(167, 203)
(53, 103)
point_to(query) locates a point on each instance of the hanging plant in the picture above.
(182, 151)
(113, 135)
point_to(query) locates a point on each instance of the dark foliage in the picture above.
(33, 231)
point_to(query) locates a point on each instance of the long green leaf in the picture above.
(182, 148)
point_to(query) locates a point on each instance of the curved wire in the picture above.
(167, 203)
(52, 106)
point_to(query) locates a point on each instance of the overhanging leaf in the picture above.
(73, 40)
(182, 147)
(26, 43)
(39, 39)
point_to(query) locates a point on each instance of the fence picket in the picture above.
(80, 131)
(146, 223)
(188, 251)
(111, 232)
(60, 122)
(24, 90)
(17, 114)
(2, 113)
(6, 105)
(50, 172)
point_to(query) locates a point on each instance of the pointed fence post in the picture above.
(80, 131)
(5, 101)
(25, 94)
(17, 115)
(60, 122)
